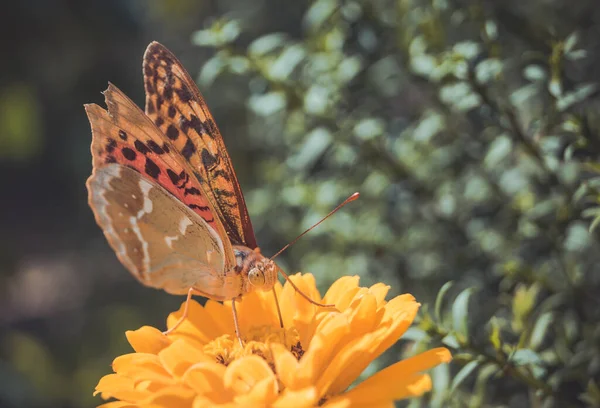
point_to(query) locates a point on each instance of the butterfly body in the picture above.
(164, 191)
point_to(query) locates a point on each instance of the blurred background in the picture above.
(471, 129)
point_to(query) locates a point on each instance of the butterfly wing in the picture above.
(177, 108)
(124, 134)
(160, 240)
(125, 137)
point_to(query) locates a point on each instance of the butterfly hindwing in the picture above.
(175, 105)
(161, 241)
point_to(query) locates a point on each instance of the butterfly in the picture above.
(165, 194)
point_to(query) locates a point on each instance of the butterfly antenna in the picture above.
(287, 278)
(346, 201)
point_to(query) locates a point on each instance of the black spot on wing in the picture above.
(159, 121)
(173, 176)
(191, 191)
(149, 85)
(167, 92)
(211, 127)
(111, 145)
(188, 150)
(184, 95)
(151, 168)
(159, 102)
(148, 70)
(196, 124)
(221, 173)
(199, 207)
(172, 132)
(155, 147)
(225, 193)
(172, 111)
(122, 134)
(141, 147)
(128, 153)
(208, 160)
(150, 108)
(110, 159)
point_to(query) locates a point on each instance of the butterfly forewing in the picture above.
(125, 135)
(175, 105)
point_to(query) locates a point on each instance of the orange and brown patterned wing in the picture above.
(160, 240)
(123, 134)
(174, 103)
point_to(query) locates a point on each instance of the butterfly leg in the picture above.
(279, 314)
(236, 323)
(278, 309)
(191, 291)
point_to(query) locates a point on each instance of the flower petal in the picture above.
(119, 387)
(340, 287)
(297, 311)
(400, 380)
(342, 291)
(207, 380)
(198, 325)
(305, 397)
(254, 311)
(413, 385)
(180, 356)
(118, 404)
(222, 317)
(380, 291)
(141, 367)
(147, 339)
(354, 358)
(321, 350)
(286, 365)
(246, 375)
(175, 396)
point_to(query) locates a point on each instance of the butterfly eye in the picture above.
(256, 277)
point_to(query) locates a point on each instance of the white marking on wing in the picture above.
(147, 208)
(99, 188)
(136, 230)
(169, 241)
(184, 222)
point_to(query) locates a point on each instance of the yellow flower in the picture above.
(310, 363)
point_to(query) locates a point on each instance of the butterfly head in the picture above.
(263, 275)
(259, 273)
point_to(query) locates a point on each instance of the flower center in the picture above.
(227, 348)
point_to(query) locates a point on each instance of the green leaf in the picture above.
(483, 375)
(539, 329)
(524, 357)
(440, 377)
(495, 334)
(267, 44)
(451, 341)
(437, 312)
(460, 310)
(463, 374)
(318, 13)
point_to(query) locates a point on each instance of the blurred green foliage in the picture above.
(470, 128)
(471, 131)
(19, 123)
